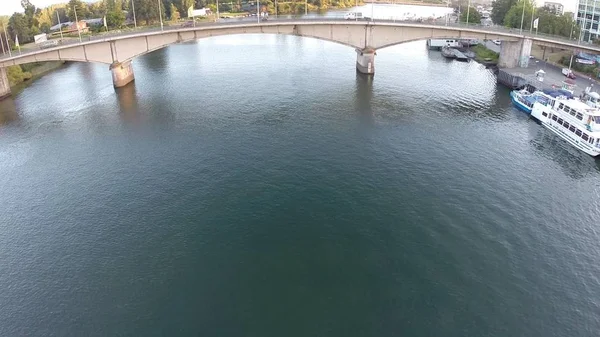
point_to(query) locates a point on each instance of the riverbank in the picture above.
(21, 75)
(485, 55)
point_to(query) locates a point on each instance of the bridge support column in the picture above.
(365, 60)
(515, 54)
(4, 85)
(122, 73)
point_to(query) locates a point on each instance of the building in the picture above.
(555, 7)
(588, 17)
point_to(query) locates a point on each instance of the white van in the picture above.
(353, 16)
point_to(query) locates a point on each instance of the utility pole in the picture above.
(7, 43)
(59, 25)
(257, 11)
(77, 22)
(468, 11)
(160, 16)
(532, 11)
(133, 7)
(305, 7)
(218, 16)
(522, 17)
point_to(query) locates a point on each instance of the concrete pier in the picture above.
(365, 60)
(4, 85)
(122, 73)
(515, 54)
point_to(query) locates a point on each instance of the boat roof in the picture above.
(581, 106)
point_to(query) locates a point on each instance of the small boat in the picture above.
(448, 52)
(524, 100)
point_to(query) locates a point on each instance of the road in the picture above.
(336, 17)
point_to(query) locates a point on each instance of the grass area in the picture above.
(483, 54)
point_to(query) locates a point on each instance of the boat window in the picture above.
(560, 121)
(572, 128)
(585, 137)
(597, 119)
(544, 114)
(566, 124)
(579, 116)
(592, 140)
(553, 118)
(578, 132)
(560, 106)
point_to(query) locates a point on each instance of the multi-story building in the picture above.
(588, 18)
(555, 7)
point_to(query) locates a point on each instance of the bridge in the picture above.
(365, 37)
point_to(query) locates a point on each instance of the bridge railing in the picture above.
(334, 17)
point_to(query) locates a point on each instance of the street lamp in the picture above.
(468, 11)
(77, 22)
(133, 7)
(305, 7)
(160, 16)
(257, 11)
(6, 38)
(522, 17)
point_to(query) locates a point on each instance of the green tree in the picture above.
(82, 10)
(183, 5)
(515, 16)
(562, 25)
(115, 18)
(146, 10)
(18, 26)
(174, 13)
(500, 9)
(474, 16)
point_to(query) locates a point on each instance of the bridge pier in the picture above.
(4, 85)
(122, 73)
(515, 54)
(365, 60)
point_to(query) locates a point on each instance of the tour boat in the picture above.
(524, 100)
(572, 120)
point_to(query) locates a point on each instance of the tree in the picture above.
(82, 10)
(115, 18)
(499, 10)
(183, 5)
(18, 27)
(562, 25)
(514, 17)
(146, 10)
(474, 16)
(174, 13)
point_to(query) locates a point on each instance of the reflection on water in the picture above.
(574, 163)
(8, 111)
(128, 103)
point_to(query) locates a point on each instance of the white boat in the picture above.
(572, 120)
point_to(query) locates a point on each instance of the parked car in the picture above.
(353, 16)
(497, 42)
(187, 24)
(48, 44)
(569, 73)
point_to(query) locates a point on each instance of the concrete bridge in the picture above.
(365, 37)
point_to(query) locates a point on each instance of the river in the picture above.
(257, 186)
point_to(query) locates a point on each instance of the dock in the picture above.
(459, 56)
(553, 77)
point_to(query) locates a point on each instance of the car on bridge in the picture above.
(354, 16)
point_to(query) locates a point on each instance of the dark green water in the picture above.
(256, 186)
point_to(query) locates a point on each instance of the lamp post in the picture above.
(77, 22)
(305, 7)
(257, 11)
(468, 11)
(6, 38)
(160, 16)
(133, 7)
(59, 25)
(218, 16)
(532, 11)
(522, 17)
